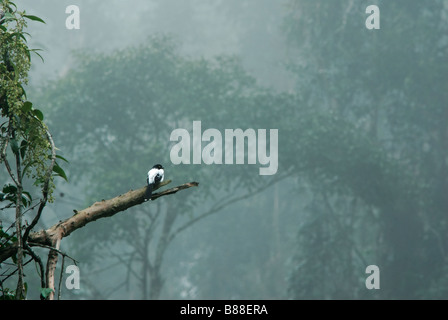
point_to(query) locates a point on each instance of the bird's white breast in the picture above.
(153, 173)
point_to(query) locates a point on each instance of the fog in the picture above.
(357, 99)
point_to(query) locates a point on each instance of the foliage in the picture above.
(25, 131)
(26, 146)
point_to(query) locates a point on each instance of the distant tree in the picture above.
(124, 106)
(373, 80)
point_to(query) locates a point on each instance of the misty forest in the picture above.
(335, 186)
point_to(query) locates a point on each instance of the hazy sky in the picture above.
(250, 29)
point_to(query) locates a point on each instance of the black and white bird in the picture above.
(155, 176)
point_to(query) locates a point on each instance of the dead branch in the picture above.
(52, 236)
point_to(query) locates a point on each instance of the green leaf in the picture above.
(39, 115)
(62, 158)
(12, 4)
(26, 199)
(9, 188)
(27, 106)
(28, 54)
(23, 90)
(34, 18)
(23, 146)
(35, 51)
(44, 292)
(28, 195)
(60, 172)
(3, 234)
(14, 146)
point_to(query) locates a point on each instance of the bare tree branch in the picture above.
(51, 267)
(102, 209)
(224, 203)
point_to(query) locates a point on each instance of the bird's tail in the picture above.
(148, 192)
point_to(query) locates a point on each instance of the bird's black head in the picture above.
(158, 166)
